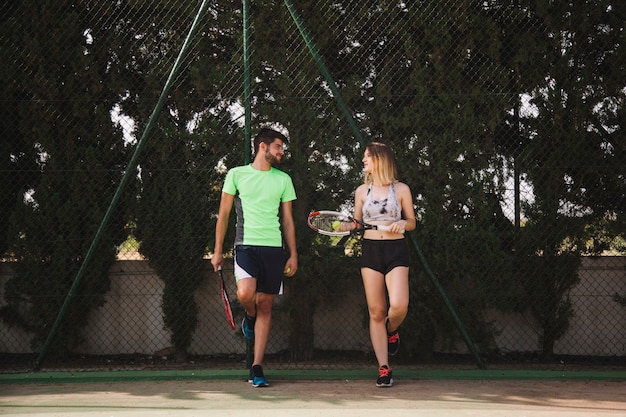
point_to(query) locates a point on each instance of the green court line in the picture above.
(240, 375)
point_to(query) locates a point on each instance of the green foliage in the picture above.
(175, 224)
(129, 245)
(179, 185)
(469, 96)
(63, 131)
(567, 195)
(458, 249)
(441, 91)
(547, 281)
(440, 119)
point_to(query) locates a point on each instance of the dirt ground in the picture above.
(345, 398)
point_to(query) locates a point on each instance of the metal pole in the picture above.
(322, 67)
(247, 103)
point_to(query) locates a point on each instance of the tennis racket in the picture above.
(226, 301)
(334, 223)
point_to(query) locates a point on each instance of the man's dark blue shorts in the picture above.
(264, 263)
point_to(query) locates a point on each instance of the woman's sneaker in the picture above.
(393, 343)
(385, 378)
(393, 339)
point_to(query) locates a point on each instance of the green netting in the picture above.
(506, 118)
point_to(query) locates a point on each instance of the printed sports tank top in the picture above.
(386, 210)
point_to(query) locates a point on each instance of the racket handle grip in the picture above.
(384, 228)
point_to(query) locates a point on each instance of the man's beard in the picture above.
(271, 159)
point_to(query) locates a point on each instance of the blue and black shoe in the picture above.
(258, 379)
(247, 327)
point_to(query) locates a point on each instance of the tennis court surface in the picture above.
(289, 396)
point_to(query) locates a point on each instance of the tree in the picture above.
(179, 185)
(19, 172)
(574, 155)
(63, 79)
(436, 90)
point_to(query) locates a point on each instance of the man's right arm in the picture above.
(226, 205)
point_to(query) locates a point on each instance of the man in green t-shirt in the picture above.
(262, 196)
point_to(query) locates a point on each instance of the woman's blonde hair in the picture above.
(384, 168)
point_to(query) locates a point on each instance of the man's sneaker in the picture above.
(393, 340)
(385, 378)
(258, 379)
(247, 327)
(251, 376)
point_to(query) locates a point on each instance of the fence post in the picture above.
(247, 102)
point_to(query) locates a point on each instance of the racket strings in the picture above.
(323, 222)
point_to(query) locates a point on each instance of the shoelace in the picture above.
(384, 372)
(393, 338)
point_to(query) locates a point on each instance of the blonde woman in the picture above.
(384, 200)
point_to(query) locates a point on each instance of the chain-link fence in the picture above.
(120, 119)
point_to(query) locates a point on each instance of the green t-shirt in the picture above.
(258, 195)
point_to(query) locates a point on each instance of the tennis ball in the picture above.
(288, 270)
(336, 225)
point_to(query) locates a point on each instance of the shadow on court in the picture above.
(343, 398)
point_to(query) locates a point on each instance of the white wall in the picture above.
(131, 321)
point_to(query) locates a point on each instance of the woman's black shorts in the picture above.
(384, 255)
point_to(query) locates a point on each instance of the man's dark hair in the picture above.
(267, 136)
